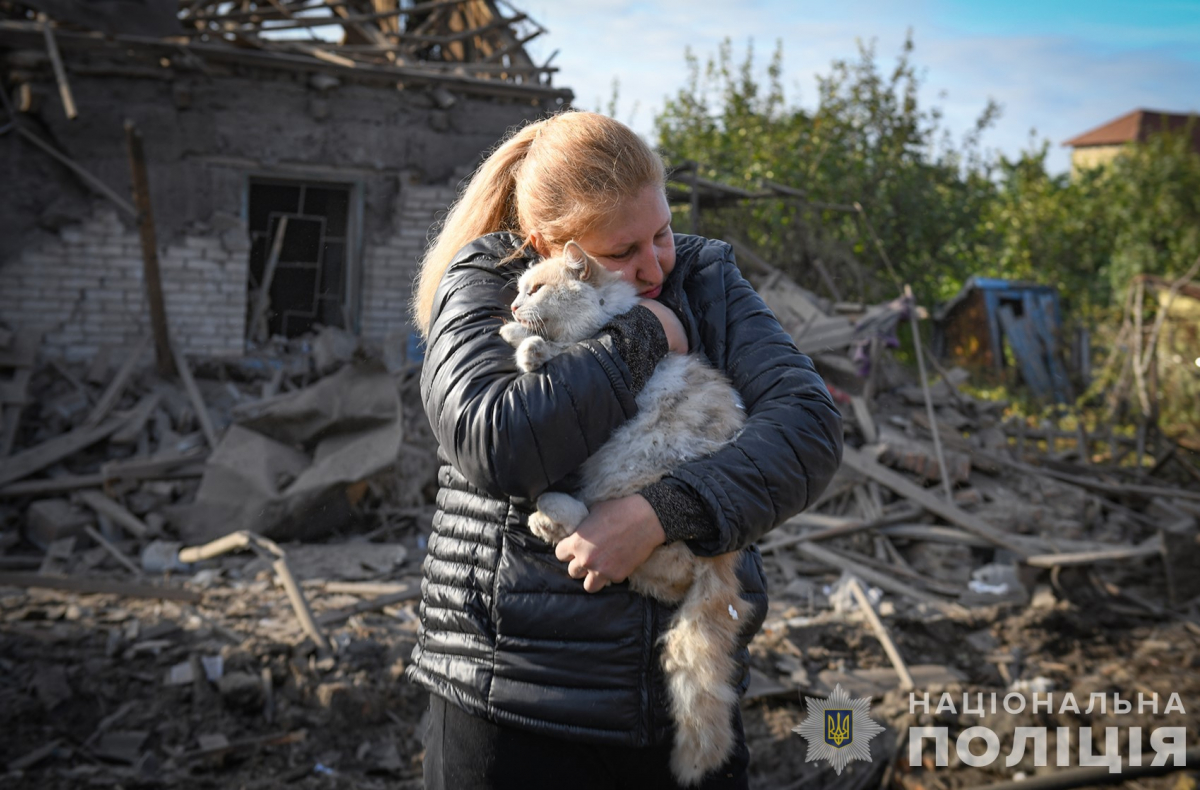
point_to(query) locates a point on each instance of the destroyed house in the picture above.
(297, 154)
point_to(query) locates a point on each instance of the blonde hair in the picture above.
(559, 177)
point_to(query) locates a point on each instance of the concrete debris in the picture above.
(286, 472)
(276, 577)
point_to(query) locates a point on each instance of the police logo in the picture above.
(838, 729)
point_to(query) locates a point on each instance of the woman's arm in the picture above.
(516, 434)
(792, 442)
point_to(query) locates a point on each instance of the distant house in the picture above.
(1100, 145)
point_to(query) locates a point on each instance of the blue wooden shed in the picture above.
(989, 317)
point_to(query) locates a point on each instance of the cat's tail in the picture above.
(699, 664)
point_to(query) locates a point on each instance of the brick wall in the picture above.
(84, 291)
(389, 268)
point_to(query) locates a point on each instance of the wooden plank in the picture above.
(87, 178)
(889, 647)
(114, 510)
(146, 234)
(137, 419)
(37, 458)
(1149, 548)
(933, 423)
(824, 555)
(171, 466)
(1027, 348)
(862, 415)
(835, 526)
(60, 73)
(115, 552)
(829, 334)
(263, 300)
(189, 384)
(375, 604)
(178, 468)
(117, 386)
(93, 586)
(863, 464)
(1094, 483)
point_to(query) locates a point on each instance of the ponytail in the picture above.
(560, 177)
(487, 205)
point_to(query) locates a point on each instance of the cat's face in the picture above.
(561, 296)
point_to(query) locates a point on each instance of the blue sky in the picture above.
(1057, 67)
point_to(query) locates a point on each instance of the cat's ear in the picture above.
(578, 260)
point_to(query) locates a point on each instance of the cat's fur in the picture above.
(686, 410)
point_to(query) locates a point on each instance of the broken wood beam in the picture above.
(336, 616)
(835, 526)
(93, 586)
(137, 419)
(84, 175)
(860, 462)
(885, 639)
(1097, 485)
(882, 580)
(150, 270)
(100, 503)
(113, 551)
(117, 386)
(60, 73)
(1149, 548)
(48, 452)
(933, 424)
(263, 300)
(193, 392)
(270, 550)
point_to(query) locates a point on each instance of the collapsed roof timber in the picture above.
(468, 45)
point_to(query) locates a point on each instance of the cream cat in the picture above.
(687, 410)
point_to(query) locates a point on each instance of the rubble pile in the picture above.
(1048, 560)
(161, 622)
(213, 582)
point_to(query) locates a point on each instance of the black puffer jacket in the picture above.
(505, 632)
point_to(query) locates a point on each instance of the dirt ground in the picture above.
(95, 689)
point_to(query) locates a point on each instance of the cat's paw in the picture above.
(513, 333)
(533, 352)
(546, 528)
(557, 516)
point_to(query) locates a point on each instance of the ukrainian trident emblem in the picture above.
(838, 729)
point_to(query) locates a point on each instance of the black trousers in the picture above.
(465, 752)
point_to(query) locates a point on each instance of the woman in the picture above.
(541, 665)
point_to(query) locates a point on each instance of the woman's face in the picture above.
(636, 242)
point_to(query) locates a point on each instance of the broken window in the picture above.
(300, 239)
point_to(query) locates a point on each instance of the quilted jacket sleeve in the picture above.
(510, 433)
(792, 442)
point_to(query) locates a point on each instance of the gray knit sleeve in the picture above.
(640, 340)
(682, 514)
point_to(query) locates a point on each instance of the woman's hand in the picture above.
(676, 338)
(615, 538)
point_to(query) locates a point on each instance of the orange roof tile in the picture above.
(1137, 125)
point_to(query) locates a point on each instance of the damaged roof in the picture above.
(468, 45)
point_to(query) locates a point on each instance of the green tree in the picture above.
(868, 142)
